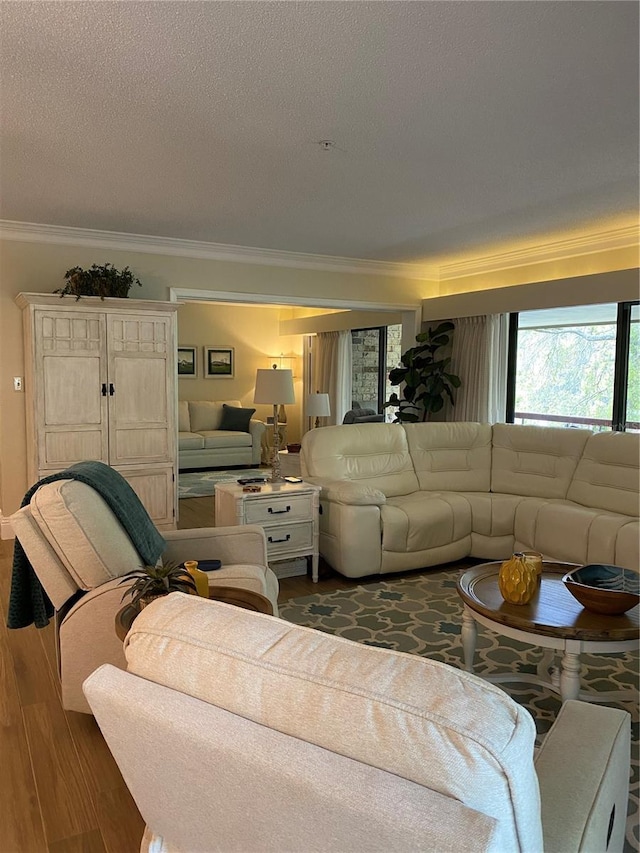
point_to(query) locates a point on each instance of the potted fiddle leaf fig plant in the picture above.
(151, 582)
(100, 280)
(425, 376)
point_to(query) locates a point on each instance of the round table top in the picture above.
(552, 611)
(244, 598)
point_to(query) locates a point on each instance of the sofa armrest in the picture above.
(257, 428)
(235, 544)
(346, 492)
(583, 771)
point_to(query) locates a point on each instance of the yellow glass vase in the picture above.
(517, 579)
(200, 578)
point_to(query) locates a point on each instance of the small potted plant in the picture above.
(100, 280)
(151, 582)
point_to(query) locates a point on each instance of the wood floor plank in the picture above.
(87, 842)
(66, 806)
(100, 771)
(48, 639)
(120, 822)
(21, 829)
(35, 680)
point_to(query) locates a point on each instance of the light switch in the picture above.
(17, 383)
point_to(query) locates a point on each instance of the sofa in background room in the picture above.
(212, 435)
(398, 497)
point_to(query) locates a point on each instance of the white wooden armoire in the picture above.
(100, 383)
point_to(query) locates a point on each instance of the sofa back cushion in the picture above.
(535, 461)
(451, 456)
(184, 424)
(608, 474)
(206, 415)
(416, 718)
(86, 536)
(374, 455)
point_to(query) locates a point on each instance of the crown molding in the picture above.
(32, 232)
(586, 244)
(625, 237)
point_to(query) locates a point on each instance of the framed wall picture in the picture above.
(187, 362)
(219, 362)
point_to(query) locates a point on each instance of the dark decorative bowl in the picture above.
(604, 589)
(293, 448)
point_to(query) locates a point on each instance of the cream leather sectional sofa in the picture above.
(398, 497)
(202, 444)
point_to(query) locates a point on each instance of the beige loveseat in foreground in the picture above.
(202, 444)
(398, 497)
(236, 731)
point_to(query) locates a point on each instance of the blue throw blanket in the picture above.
(28, 602)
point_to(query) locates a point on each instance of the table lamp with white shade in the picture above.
(274, 387)
(318, 407)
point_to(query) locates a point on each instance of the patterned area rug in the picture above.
(201, 484)
(392, 614)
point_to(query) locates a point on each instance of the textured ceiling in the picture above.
(456, 124)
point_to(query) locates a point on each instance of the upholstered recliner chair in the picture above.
(79, 551)
(238, 731)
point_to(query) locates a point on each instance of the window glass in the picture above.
(566, 366)
(633, 377)
(374, 353)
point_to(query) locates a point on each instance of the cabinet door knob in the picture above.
(104, 389)
(273, 541)
(278, 511)
(112, 390)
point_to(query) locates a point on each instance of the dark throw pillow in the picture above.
(235, 419)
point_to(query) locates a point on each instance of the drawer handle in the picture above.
(273, 541)
(278, 511)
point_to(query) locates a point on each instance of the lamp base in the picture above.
(275, 457)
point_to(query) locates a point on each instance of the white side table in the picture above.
(288, 512)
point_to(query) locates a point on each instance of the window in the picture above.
(374, 353)
(576, 366)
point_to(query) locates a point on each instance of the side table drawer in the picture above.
(285, 538)
(279, 509)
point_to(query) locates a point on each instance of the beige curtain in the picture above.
(332, 371)
(479, 358)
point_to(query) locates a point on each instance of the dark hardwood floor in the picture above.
(60, 789)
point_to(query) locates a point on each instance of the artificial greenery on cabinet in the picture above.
(100, 280)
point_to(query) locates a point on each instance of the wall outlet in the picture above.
(17, 383)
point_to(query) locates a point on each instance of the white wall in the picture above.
(253, 332)
(33, 267)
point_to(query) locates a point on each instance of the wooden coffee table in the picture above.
(552, 620)
(244, 598)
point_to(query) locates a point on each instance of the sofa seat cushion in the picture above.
(451, 456)
(206, 414)
(492, 514)
(190, 441)
(375, 455)
(417, 718)
(607, 476)
(220, 438)
(424, 520)
(571, 532)
(534, 461)
(184, 423)
(86, 536)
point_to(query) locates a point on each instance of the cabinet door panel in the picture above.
(155, 488)
(70, 409)
(64, 448)
(141, 409)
